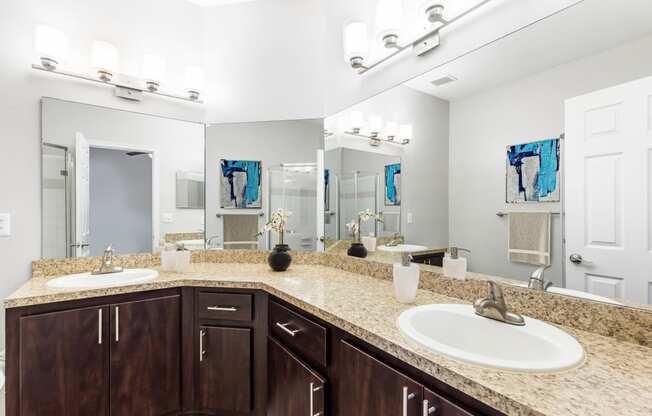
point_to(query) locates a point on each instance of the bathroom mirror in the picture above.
(254, 169)
(532, 152)
(113, 177)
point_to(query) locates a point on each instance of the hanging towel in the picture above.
(391, 222)
(240, 231)
(529, 238)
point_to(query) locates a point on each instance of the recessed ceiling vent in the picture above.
(443, 80)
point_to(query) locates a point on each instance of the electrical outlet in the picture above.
(5, 225)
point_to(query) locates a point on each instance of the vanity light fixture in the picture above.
(388, 21)
(392, 131)
(356, 119)
(50, 46)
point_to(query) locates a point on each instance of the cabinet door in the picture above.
(225, 369)
(63, 363)
(436, 405)
(145, 357)
(367, 387)
(293, 388)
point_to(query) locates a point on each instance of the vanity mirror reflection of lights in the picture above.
(532, 152)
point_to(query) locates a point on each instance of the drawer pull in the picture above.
(284, 327)
(314, 389)
(202, 333)
(99, 326)
(117, 324)
(406, 396)
(427, 409)
(222, 308)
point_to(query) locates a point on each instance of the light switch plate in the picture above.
(5, 225)
(167, 218)
(410, 218)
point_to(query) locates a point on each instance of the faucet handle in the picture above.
(496, 293)
(538, 273)
(109, 249)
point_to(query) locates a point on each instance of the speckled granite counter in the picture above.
(615, 379)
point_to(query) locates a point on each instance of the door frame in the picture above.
(103, 144)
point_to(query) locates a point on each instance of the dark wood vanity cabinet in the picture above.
(63, 363)
(294, 389)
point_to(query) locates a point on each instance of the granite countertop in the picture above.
(614, 379)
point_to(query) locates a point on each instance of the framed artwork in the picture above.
(327, 190)
(241, 185)
(393, 184)
(533, 172)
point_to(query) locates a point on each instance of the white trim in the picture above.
(156, 225)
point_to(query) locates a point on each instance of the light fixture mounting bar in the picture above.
(415, 43)
(377, 139)
(113, 83)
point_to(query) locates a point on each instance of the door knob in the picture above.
(577, 259)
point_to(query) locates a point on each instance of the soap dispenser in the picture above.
(454, 265)
(406, 279)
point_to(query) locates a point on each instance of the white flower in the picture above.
(368, 214)
(352, 227)
(277, 221)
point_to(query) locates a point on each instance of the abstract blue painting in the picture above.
(533, 172)
(241, 184)
(393, 184)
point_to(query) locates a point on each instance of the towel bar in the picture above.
(502, 214)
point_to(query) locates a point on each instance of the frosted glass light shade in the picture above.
(51, 45)
(406, 131)
(389, 14)
(104, 57)
(153, 68)
(356, 120)
(391, 129)
(375, 124)
(355, 40)
(194, 78)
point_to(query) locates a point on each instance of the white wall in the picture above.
(264, 61)
(528, 109)
(424, 170)
(272, 142)
(135, 27)
(497, 19)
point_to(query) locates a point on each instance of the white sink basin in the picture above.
(87, 280)
(577, 294)
(402, 248)
(457, 332)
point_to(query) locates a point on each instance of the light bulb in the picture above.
(355, 43)
(153, 71)
(51, 46)
(391, 130)
(356, 120)
(389, 14)
(194, 81)
(406, 132)
(375, 124)
(104, 58)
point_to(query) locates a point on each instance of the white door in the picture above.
(608, 194)
(82, 197)
(321, 192)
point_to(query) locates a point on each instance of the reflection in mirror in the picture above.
(255, 168)
(538, 163)
(112, 177)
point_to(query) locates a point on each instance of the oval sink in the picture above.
(402, 248)
(457, 332)
(88, 280)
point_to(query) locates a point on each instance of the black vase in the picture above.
(357, 250)
(279, 259)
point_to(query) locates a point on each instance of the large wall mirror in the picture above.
(532, 152)
(112, 177)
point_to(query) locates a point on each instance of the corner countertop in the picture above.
(615, 378)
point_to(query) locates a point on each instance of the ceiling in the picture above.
(212, 3)
(582, 30)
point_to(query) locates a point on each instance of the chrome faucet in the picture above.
(494, 307)
(537, 282)
(395, 241)
(107, 266)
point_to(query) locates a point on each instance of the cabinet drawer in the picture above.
(225, 306)
(300, 334)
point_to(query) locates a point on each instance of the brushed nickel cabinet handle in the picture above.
(314, 389)
(99, 326)
(222, 308)
(406, 396)
(427, 409)
(202, 333)
(117, 324)
(284, 327)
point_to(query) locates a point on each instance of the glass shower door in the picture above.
(357, 192)
(294, 187)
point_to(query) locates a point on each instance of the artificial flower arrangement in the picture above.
(279, 259)
(357, 249)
